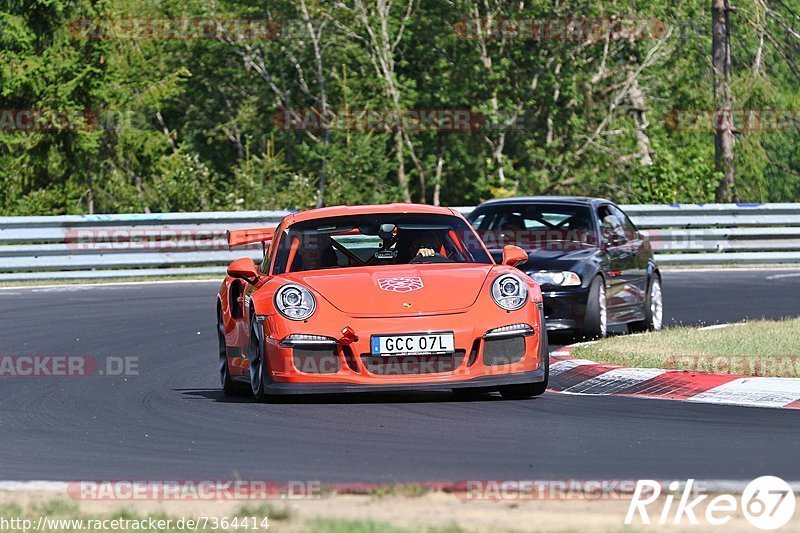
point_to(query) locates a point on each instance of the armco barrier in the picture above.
(164, 244)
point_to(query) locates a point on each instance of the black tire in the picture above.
(229, 387)
(528, 390)
(595, 321)
(258, 363)
(653, 308)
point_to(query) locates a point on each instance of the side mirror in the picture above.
(514, 255)
(245, 269)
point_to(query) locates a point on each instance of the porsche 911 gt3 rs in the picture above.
(378, 298)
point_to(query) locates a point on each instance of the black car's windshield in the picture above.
(535, 225)
(375, 240)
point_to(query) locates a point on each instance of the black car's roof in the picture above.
(582, 200)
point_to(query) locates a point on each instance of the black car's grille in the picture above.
(405, 365)
(503, 351)
(316, 360)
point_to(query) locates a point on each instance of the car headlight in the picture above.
(295, 302)
(509, 292)
(561, 279)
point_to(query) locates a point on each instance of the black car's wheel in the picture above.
(229, 387)
(595, 321)
(527, 390)
(653, 309)
(258, 362)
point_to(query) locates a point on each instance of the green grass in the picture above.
(277, 514)
(55, 508)
(755, 348)
(68, 510)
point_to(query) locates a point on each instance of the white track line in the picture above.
(729, 269)
(25, 486)
(761, 392)
(779, 276)
(715, 326)
(615, 380)
(568, 364)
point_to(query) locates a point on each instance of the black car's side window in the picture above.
(627, 226)
(612, 227)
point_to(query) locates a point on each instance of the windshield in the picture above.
(533, 226)
(376, 240)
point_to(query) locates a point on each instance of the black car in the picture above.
(595, 268)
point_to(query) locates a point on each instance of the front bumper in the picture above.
(536, 376)
(564, 309)
(342, 367)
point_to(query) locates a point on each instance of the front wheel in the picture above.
(653, 309)
(595, 321)
(258, 362)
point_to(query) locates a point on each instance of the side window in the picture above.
(611, 225)
(627, 225)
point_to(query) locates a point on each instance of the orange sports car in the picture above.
(378, 298)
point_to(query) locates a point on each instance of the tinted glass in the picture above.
(377, 240)
(535, 225)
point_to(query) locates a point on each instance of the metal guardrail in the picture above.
(721, 234)
(164, 244)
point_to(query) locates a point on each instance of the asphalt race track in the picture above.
(172, 422)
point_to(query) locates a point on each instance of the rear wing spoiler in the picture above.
(243, 237)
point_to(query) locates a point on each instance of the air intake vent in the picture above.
(316, 359)
(503, 351)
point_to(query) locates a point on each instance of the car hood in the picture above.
(401, 290)
(557, 259)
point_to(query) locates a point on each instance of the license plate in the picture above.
(413, 344)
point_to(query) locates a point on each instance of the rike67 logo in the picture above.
(767, 502)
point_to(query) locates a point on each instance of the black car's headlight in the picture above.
(509, 292)
(558, 278)
(295, 302)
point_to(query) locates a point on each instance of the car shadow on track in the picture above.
(216, 395)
